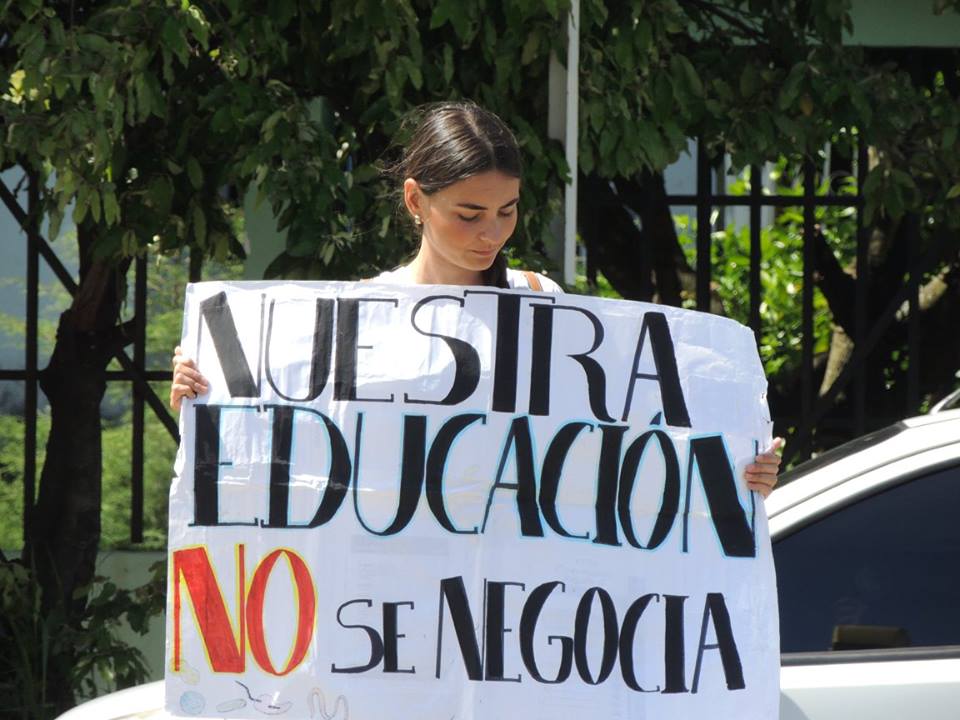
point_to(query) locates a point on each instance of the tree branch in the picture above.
(619, 248)
(837, 285)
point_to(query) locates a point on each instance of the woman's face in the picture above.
(466, 224)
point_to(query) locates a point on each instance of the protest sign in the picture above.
(430, 502)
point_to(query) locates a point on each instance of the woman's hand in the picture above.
(761, 474)
(187, 380)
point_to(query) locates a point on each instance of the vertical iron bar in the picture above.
(30, 386)
(756, 198)
(719, 177)
(703, 228)
(913, 319)
(139, 360)
(861, 290)
(809, 230)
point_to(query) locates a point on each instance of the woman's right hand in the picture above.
(187, 380)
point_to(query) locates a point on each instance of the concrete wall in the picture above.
(130, 569)
(903, 23)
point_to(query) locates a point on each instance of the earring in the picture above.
(417, 220)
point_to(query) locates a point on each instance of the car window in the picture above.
(882, 572)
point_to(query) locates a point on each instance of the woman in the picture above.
(460, 175)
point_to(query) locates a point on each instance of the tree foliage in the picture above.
(144, 112)
(759, 82)
(149, 120)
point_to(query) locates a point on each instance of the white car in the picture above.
(866, 540)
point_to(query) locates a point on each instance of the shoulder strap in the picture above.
(533, 281)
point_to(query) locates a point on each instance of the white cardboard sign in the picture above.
(431, 502)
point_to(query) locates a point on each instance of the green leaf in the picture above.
(447, 64)
(54, 221)
(789, 127)
(903, 179)
(416, 76)
(750, 80)
(198, 25)
(791, 86)
(652, 144)
(96, 43)
(454, 12)
(690, 73)
(195, 173)
(95, 205)
(82, 204)
(608, 141)
(157, 101)
(530, 48)
(327, 255)
(412, 70)
(440, 14)
(489, 33)
(860, 103)
(874, 178)
(949, 137)
(111, 209)
(365, 173)
(171, 37)
(222, 120)
(643, 35)
(221, 245)
(953, 192)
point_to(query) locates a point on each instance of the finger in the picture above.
(764, 490)
(188, 372)
(768, 478)
(191, 372)
(185, 371)
(177, 393)
(767, 459)
(763, 481)
(760, 476)
(197, 387)
(183, 390)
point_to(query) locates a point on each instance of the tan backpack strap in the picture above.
(533, 281)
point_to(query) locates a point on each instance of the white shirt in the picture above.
(515, 279)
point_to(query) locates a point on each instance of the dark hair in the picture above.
(453, 141)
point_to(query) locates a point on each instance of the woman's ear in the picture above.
(413, 198)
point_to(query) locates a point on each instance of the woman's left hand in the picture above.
(761, 474)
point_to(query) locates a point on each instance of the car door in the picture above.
(869, 592)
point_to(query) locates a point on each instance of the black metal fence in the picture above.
(868, 330)
(813, 406)
(132, 370)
